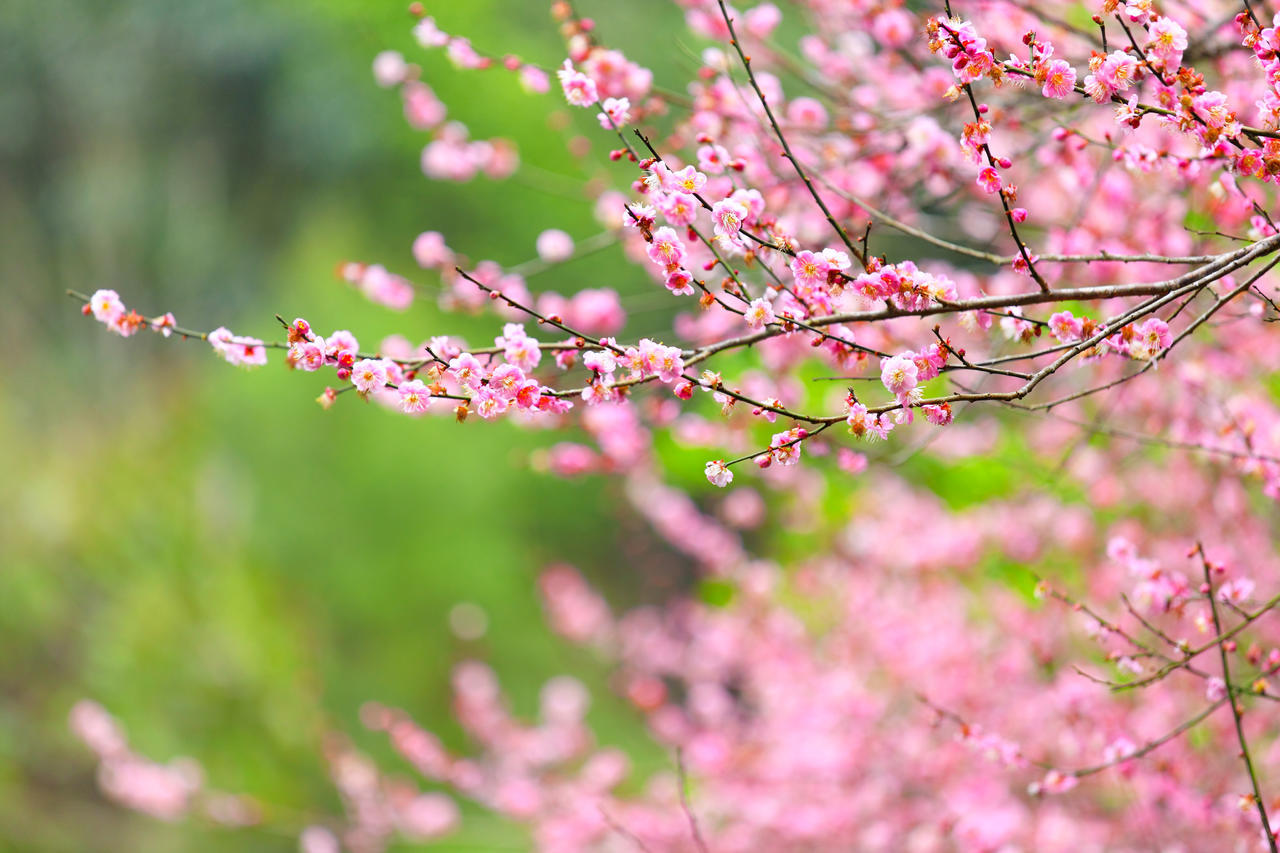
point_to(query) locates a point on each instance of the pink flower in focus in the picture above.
(989, 180)
(718, 474)
(369, 374)
(728, 216)
(106, 306)
(1059, 79)
(414, 397)
(666, 250)
(809, 269)
(579, 89)
(617, 113)
(899, 375)
(759, 313)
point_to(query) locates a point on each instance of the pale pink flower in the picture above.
(305, 355)
(899, 375)
(761, 20)
(369, 374)
(938, 415)
(601, 361)
(554, 246)
(414, 397)
(759, 313)
(579, 89)
(389, 68)
(718, 474)
(466, 368)
(1236, 591)
(989, 180)
(785, 446)
(807, 113)
(666, 250)
(1059, 79)
(680, 209)
(506, 380)
(1166, 40)
(428, 34)
(422, 109)
(679, 282)
(427, 816)
(1151, 337)
(617, 113)
(713, 159)
(863, 424)
(688, 180)
(728, 216)
(894, 28)
(340, 343)
(430, 251)
(810, 269)
(244, 352)
(1066, 327)
(106, 306)
(488, 404)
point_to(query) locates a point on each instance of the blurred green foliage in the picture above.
(225, 567)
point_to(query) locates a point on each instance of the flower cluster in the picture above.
(1054, 241)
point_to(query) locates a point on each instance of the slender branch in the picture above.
(684, 804)
(1235, 709)
(782, 139)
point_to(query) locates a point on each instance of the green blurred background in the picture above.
(225, 567)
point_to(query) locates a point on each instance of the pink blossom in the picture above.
(422, 109)
(989, 180)
(863, 424)
(1166, 40)
(899, 375)
(1059, 79)
(666, 250)
(728, 216)
(894, 28)
(430, 251)
(467, 369)
(785, 446)
(428, 34)
(385, 288)
(718, 474)
(679, 282)
(250, 352)
(579, 89)
(680, 209)
(1151, 337)
(389, 68)
(1065, 327)
(340, 343)
(369, 374)
(554, 246)
(414, 397)
(759, 314)
(506, 380)
(809, 269)
(106, 306)
(616, 114)
(305, 355)
(688, 180)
